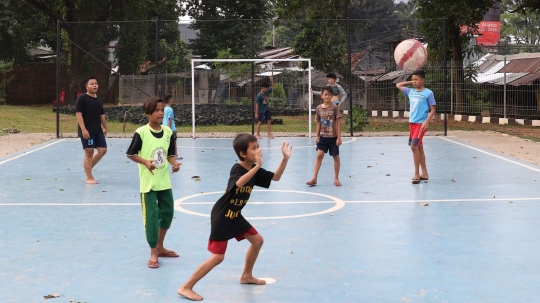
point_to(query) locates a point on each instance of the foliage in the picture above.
(532, 6)
(278, 36)
(279, 98)
(234, 20)
(359, 119)
(234, 70)
(519, 28)
(5, 67)
(323, 42)
(477, 99)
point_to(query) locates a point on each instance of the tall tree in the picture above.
(226, 25)
(322, 26)
(532, 6)
(87, 34)
(521, 28)
(457, 14)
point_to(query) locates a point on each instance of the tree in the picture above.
(521, 29)
(322, 29)
(532, 6)
(457, 13)
(87, 32)
(226, 24)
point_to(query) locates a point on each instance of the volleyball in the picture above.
(410, 54)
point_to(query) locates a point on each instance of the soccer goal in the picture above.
(223, 96)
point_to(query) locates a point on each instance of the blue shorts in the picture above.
(94, 141)
(328, 145)
(263, 117)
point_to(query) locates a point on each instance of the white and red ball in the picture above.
(410, 54)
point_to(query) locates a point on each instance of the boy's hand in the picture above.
(256, 115)
(150, 165)
(85, 134)
(176, 167)
(425, 126)
(338, 141)
(317, 140)
(286, 150)
(258, 158)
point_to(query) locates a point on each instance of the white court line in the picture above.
(27, 153)
(493, 155)
(274, 203)
(352, 139)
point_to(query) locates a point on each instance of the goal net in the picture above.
(224, 91)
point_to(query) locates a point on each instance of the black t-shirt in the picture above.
(91, 109)
(227, 221)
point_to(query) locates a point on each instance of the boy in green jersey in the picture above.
(152, 148)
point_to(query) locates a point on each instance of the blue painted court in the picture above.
(370, 240)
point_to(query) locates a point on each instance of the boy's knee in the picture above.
(218, 258)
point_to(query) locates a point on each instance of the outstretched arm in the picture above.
(286, 150)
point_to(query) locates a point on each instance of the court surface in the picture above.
(370, 240)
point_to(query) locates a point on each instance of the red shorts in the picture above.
(415, 136)
(219, 247)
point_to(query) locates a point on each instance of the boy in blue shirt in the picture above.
(422, 110)
(262, 110)
(168, 120)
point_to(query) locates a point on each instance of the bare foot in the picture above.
(252, 280)
(162, 252)
(270, 136)
(91, 181)
(337, 183)
(258, 136)
(189, 294)
(311, 182)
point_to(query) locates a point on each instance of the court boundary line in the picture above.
(352, 139)
(297, 202)
(31, 151)
(491, 154)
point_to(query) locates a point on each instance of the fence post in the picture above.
(445, 83)
(58, 45)
(350, 76)
(156, 58)
(504, 89)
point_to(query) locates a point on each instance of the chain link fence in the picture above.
(133, 60)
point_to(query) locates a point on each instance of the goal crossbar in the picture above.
(193, 61)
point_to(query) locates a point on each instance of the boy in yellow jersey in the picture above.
(153, 148)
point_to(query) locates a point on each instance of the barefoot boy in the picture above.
(227, 221)
(152, 147)
(328, 137)
(422, 110)
(262, 109)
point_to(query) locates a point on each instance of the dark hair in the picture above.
(241, 143)
(265, 84)
(150, 104)
(327, 88)
(88, 79)
(167, 99)
(331, 75)
(420, 73)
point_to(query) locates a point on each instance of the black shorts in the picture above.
(328, 145)
(95, 141)
(263, 117)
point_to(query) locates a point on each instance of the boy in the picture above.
(168, 120)
(422, 110)
(328, 137)
(337, 90)
(262, 110)
(90, 119)
(227, 221)
(152, 147)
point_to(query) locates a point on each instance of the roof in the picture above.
(520, 69)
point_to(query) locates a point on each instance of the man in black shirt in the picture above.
(90, 118)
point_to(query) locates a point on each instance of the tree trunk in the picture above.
(459, 76)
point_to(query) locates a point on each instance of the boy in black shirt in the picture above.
(227, 221)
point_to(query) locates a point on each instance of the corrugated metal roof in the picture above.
(529, 65)
(498, 78)
(526, 80)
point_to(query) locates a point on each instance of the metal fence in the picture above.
(136, 59)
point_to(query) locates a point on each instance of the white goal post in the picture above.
(194, 61)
